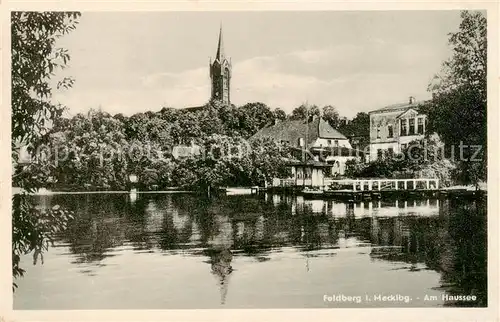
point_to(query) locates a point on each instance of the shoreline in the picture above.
(483, 188)
(46, 192)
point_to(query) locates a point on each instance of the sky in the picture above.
(131, 62)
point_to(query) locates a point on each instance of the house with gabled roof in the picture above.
(322, 150)
(317, 133)
(393, 127)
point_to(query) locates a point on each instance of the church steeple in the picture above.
(220, 73)
(220, 47)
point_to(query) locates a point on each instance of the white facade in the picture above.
(302, 175)
(338, 164)
(323, 143)
(391, 130)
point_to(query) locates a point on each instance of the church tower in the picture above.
(220, 74)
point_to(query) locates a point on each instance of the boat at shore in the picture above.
(312, 193)
(233, 191)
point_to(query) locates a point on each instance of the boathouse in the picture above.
(310, 173)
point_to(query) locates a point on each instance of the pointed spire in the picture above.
(220, 47)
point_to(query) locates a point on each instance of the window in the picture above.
(378, 132)
(404, 129)
(403, 147)
(379, 153)
(390, 152)
(390, 131)
(329, 142)
(420, 125)
(411, 127)
(336, 142)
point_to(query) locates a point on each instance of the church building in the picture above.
(220, 76)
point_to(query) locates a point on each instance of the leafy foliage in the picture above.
(458, 109)
(35, 58)
(100, 151)
(357, 130)
(34, 61)
(425, 159)
(331, 115)
(303, 111)
(33, 230)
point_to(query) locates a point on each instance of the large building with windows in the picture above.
(394, 126)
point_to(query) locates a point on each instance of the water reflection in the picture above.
(448, 236)
(220, 261)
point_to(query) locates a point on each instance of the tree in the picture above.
(331, 115)
(279, 114)
(357, 130)
(421, 159)
(457, 111)
(254, 116)
(303, 110)
(269, 160)
(35, 58)
(91, 151)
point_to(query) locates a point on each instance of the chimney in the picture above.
(412, 100)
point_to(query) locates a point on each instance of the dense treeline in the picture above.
(97, 150)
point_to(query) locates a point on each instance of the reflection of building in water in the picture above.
(195, 232)
(248, 232)
(133, 196)
(374, 231)
(221, 268)
(276, 199)
(324, 232)
(259, 228)
(223, 237)
(389, 231)
(390, 208)
(345, 240)
(298, 205)
(316, 206)
(397, 231)
(180, 219)
(154, 217)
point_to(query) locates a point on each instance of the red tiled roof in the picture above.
(292, 130)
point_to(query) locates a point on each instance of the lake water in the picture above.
(183, 251)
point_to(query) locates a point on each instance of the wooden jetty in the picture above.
(373, 189)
